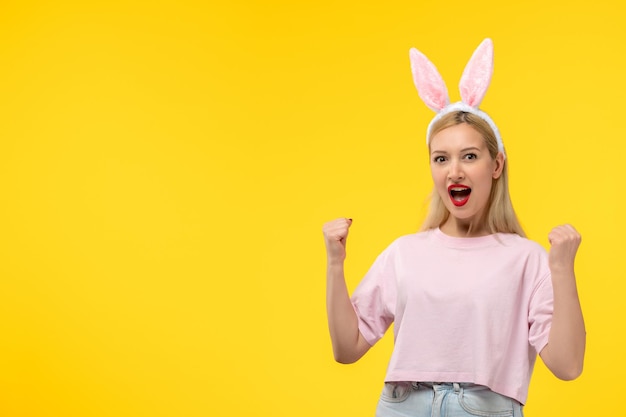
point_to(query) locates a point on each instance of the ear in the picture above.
(430, 86)
(497, 171)
(477, 74)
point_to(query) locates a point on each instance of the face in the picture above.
(463, 172)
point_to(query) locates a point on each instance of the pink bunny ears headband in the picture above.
(473, 86)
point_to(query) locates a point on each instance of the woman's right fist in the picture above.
(335, 236)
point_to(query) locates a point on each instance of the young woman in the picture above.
(472, 300)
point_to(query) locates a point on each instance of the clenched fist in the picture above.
(335, 236)
(564, 241)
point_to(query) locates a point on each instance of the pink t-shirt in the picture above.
(464, 309)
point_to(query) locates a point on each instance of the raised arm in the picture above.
(348, 343)
(564, 354)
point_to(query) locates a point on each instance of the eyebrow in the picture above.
(471, 148)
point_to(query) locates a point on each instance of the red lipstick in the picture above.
(459, 194)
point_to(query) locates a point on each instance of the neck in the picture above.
(463, 228)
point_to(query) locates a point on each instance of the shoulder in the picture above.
(521, 244)
(408, 244)
(533, 257)
(411, 240)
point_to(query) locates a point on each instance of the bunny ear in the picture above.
(477, 74)
(430, 86)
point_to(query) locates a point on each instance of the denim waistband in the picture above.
(456, 386)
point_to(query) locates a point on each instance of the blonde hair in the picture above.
(499, 216)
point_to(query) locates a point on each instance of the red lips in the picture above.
(459, 194)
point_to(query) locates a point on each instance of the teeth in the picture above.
(459, 193)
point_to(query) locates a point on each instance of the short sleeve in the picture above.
(540, 312)
(374, 298)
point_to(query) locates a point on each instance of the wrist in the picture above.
(335, 262)
(562, 270)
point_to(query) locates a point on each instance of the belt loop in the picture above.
(457, 387)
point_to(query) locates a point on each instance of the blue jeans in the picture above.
(433, 399)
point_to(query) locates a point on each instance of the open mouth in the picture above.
(459, 194)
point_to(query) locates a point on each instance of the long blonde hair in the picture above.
(499, 215)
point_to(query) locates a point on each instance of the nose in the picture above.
(456, 171)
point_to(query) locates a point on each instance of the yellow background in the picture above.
(166, 168)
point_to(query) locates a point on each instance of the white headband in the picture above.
(473, 86)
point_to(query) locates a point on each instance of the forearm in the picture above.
(348, 344)
(564, 354)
